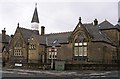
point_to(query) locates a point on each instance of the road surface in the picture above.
(52, 74)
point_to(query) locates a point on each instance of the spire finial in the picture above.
(80, 19)
(18, 24)
(4, 28)
(35, 4)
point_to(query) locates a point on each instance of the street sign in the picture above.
(18, 64)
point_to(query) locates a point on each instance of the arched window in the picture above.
(80, 46)
(18, 48)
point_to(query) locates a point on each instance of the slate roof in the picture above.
(53, 39)
(40, 39)
(87, 26)
(8, 38)
(35, 16)
(56, 39)
(92, 30)
(26, 33)
(96, 34)
(117, 27)
(105, 25)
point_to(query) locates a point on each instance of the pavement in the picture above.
(53, 74)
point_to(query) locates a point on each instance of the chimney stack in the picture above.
(4, 35)
(42, 30)
(95, 22)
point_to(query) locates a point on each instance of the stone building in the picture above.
(4, 42)
(0, 43)
(88, 43)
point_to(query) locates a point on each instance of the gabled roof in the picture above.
(40, 39)
(87, 26)
(105, 25)
(53, 39)
(8, 38)
(96, 34)
(57, 38)
(35, 16)
(26, 33)
(117, 27)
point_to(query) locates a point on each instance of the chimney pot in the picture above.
(3, 35)
(95, 22)
(42, 30)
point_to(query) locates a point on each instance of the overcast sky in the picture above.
(56, 16)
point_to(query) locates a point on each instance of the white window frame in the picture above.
(76, 51)
(82, 49)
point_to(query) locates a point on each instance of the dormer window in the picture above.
(55, 41)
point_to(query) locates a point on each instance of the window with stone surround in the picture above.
(18, 50)
(80, 47)
(32, 46)
(52, 53)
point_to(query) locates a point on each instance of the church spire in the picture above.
(35, 19)
(35, 15)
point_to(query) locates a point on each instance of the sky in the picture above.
(56, 16)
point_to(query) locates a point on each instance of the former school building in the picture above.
(91, 43)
